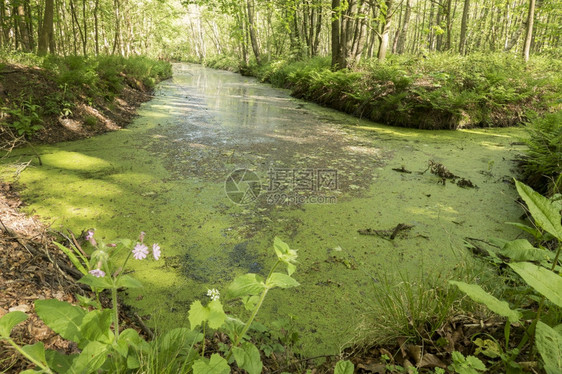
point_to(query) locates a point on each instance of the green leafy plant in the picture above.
(105, 348)
(25, 117)
(539, 268)
(542, 162)
(466, 365)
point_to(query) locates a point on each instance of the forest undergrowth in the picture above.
(51, 99)
(439, 91)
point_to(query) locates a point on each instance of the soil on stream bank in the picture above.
(86, 117)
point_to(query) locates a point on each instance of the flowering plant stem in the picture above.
(30, 358)
(254, 313)
(116, 311)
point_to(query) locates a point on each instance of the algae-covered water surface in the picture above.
(316, 178)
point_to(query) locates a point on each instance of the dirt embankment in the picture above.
(66, 115)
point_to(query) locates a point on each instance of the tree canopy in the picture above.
(260, 30)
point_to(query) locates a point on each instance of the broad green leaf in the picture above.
(96, 324)
(498, 242)
(544, 212)
(285, 254)
(488, 347)
(197, 314)
(100, 283)
(216, 365)
(248, 358)
(544, 281)
(233, 327)
(133, 361)
(178, 339)
(36, 351)
(477, 294)
(131, 337)
(91, 358)
(531, 230)
(65, 319)
(75, 261)
(344, 367)
(121, 347)
(128, 282)
(281, 280)
(244, 285)
(522, 250)
(60, 363)
(549, 345)
(475, 363)
(250, 302)
(216, 314)
(8, 321)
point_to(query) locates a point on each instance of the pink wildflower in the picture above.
(98, 273)
(140, 252)
(90, 238)
(156, 251)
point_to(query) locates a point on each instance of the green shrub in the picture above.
(542, 163)
(445, 90)
(90, 121)
(537, 268)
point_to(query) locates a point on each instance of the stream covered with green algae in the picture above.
(166, 173)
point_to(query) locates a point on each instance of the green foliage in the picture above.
(477, 294)
(107, 75)
(549, 344)
(344, 367)
(404, 308)
(24, 117)
(441, 91)
(466, 365)
(104, 348)
(539, 278)
(542, 164)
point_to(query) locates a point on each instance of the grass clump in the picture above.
(542, 163)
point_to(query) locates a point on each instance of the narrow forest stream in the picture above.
(324, 176)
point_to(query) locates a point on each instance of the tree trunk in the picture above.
(448, 24)
(316, 41)
(386, 12)
(529, 34)
(252, 30)
(439, 36)
(117, 37)
(336, 37)
(401, 44)
(77, 23)
(85, 28)
(4, 31)
(20, 17)
(464, 26)
(46, 34)
(96, 27)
